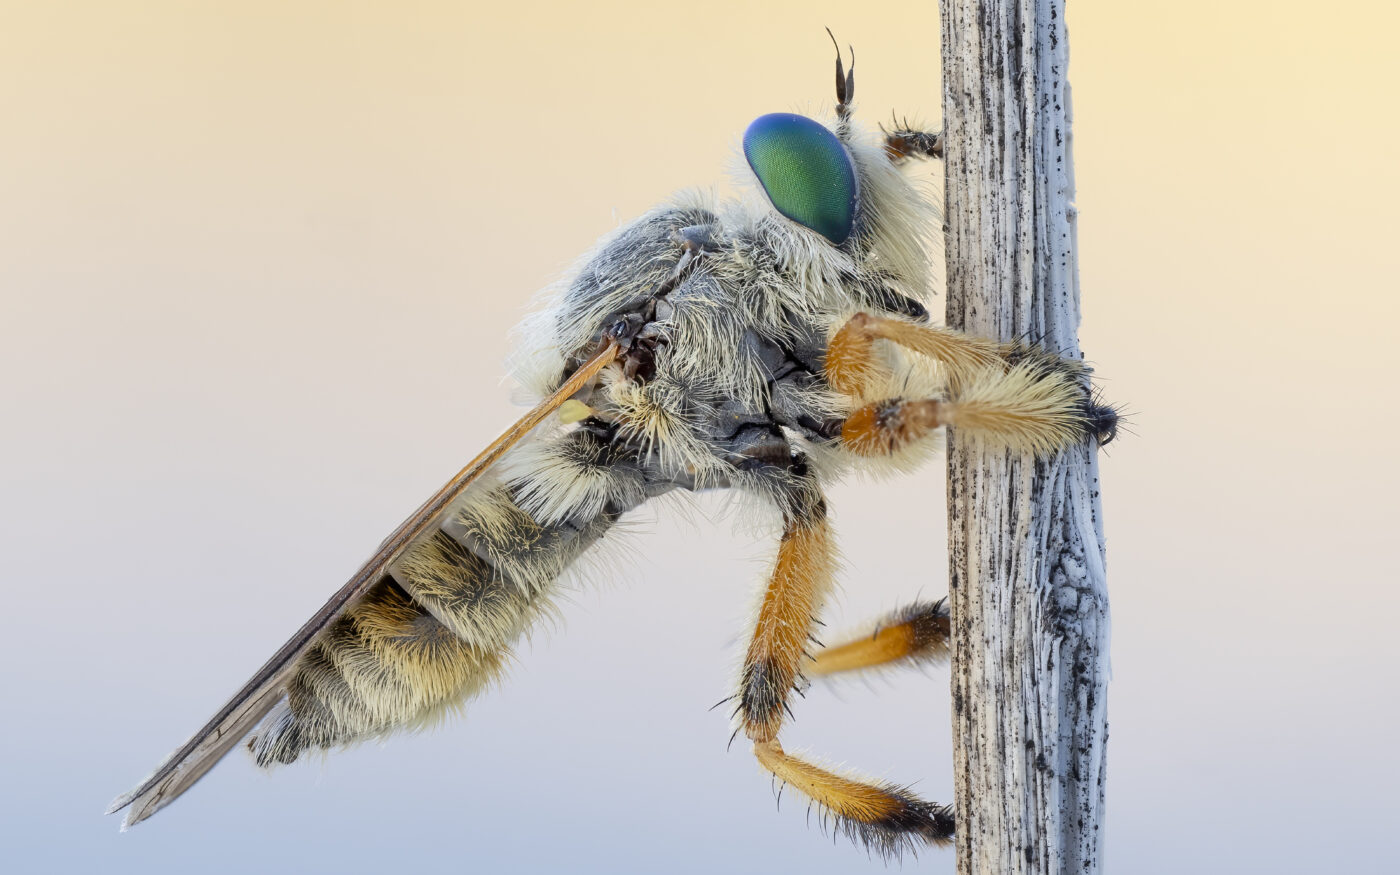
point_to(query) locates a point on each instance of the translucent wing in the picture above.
(249, 705)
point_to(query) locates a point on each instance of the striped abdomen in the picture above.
(443, 625)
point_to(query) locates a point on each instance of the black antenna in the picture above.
(845, 82)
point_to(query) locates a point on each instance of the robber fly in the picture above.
(764, 345)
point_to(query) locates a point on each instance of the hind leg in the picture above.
(917, 633)
(884, 817)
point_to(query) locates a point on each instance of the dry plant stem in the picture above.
(1027, 582)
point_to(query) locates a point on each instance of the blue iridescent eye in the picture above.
(806, 172)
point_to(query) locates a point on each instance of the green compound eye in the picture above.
(806, 172)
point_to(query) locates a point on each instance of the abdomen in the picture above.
(441, 627)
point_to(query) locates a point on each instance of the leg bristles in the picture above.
(885, 818)
(1024, 409)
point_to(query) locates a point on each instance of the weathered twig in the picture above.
(1027, 582)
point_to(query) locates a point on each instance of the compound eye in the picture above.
(806, 172)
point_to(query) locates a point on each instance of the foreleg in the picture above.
(905, 142)
(852, 364)
(1018, 409)
(1021, 396)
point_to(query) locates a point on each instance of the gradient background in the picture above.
(258, 265)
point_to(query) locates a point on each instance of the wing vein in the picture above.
(258, 696)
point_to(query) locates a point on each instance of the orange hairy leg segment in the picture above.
(850, 359)
(916, 633)
(885, 646)
(1028, 408)
(843, 796)
(884, 427)
(851, 363)
(799, 582)
(883, 816)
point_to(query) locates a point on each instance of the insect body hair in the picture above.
(444, 626)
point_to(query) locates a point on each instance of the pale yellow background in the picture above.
(258, 264)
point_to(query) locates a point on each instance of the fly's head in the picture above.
(829, 225)
(832, 199)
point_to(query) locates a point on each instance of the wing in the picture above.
(249, 705)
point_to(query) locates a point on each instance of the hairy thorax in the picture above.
(723, 330)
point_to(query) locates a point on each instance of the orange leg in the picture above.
(1022, 397)
(800, 581)
(914, 634)
(884, 817)
(851, 363)
(1024, 409)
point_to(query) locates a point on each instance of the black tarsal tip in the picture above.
(1102, 423)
